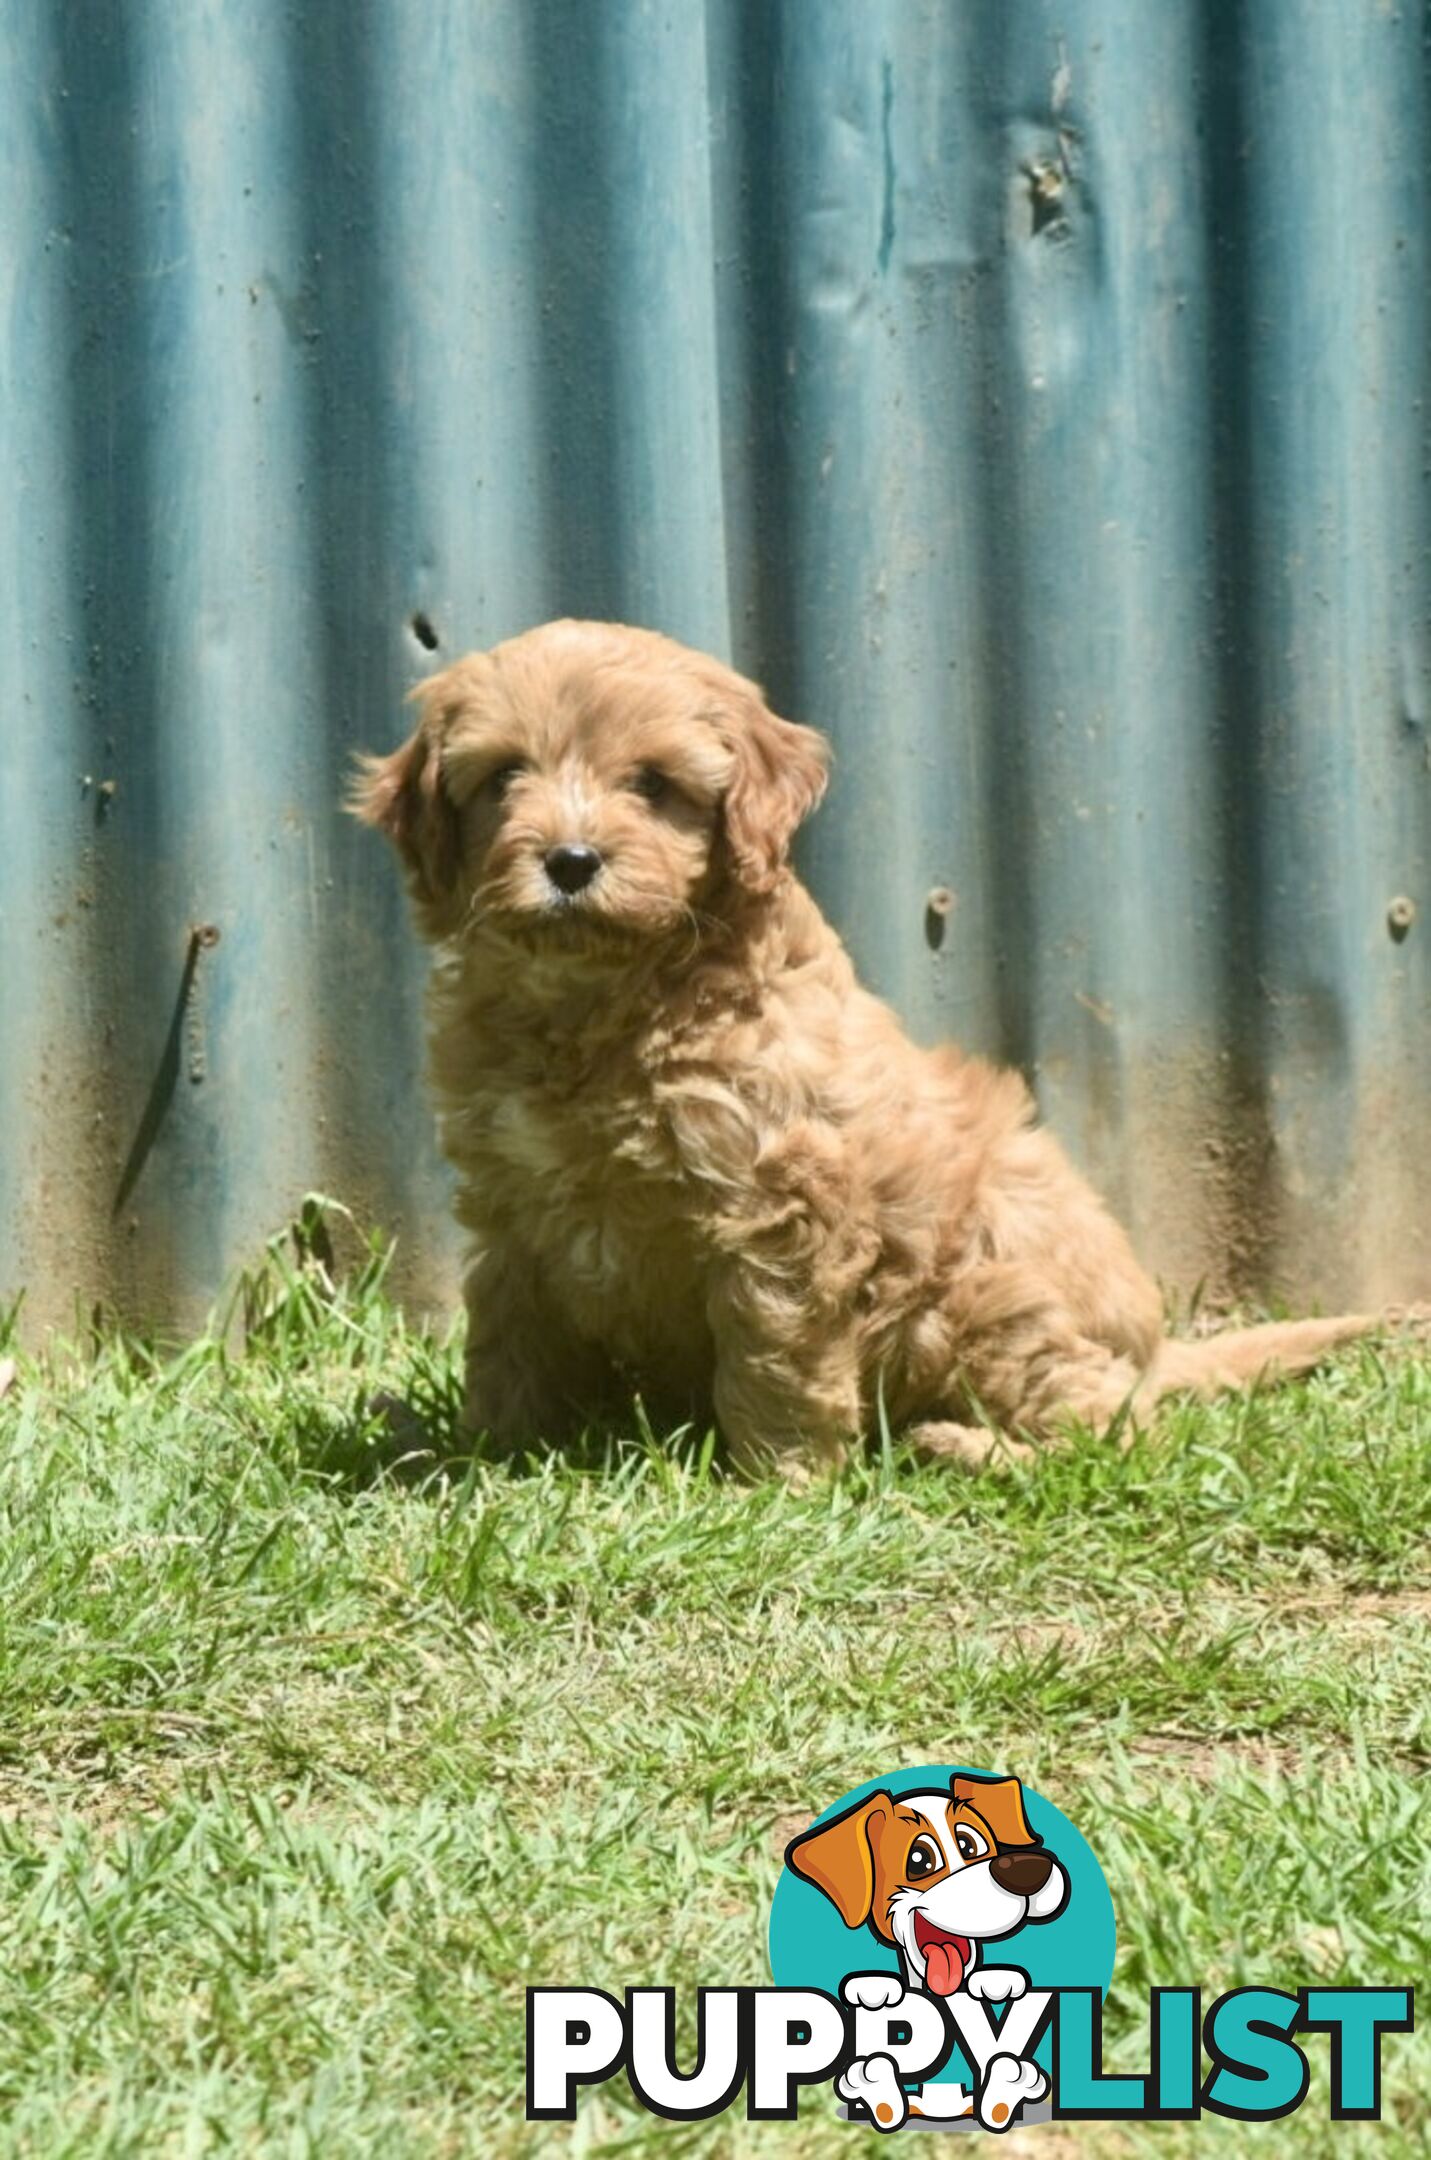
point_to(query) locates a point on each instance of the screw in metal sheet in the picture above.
(1400, 915)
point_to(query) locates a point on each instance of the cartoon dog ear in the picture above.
(402, 795)
(779, 774)
(1001, 1803)
(838, 1857)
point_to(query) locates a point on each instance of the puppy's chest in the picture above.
(596, 1188)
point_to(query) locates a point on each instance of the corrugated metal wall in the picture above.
(1033, 395)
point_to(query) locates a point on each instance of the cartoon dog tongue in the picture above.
(944, 1961)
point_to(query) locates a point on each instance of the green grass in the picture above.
(310, 1763)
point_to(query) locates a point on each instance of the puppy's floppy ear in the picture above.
(403, 796)
(838, 1857)
(1001, 1803)
(778, 777)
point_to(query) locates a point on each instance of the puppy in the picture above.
(692, 1154)
(935, 1874)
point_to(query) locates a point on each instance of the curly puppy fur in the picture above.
(693, 1155)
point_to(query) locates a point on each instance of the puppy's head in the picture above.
(934, 1873)
(587, 788)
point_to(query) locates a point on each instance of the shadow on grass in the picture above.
(415, 1437)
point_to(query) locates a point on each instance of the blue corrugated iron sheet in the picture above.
(1033, 396)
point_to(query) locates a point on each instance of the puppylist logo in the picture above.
(941, 1943)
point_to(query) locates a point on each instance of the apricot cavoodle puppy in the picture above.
(694, 1156)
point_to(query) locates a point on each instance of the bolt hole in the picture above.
(1045, 180)
(1400, 915)
(938, 907)
(422, 630)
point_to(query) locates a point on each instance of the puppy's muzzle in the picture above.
(571, 866)
(1021, 1872)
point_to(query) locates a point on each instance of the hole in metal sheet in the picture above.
(938, 907)
(1045, 184)
(423, 631)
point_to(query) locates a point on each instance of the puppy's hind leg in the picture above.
(967, 1447)
(1102, 1393)
(1028, 1365)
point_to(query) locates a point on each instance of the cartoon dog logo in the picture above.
(936, 1875)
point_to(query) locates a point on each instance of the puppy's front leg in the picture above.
(529, 1377)
(787, 1392)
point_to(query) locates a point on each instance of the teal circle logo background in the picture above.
(810, 1946)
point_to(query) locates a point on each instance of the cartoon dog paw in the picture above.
(1008, 2084)
(873, 1991)
(872, 2084)
(997, 1983)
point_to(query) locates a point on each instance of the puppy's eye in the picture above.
(496, 784)
(971, 1845)
(651, 784)
(923, 1860)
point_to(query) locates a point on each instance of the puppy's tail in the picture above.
(1222, 1363)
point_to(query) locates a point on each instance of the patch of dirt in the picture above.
(784, 1828)
(1206, 1761)
(1359, 1605)
(105, 1807)
(1331, 1607)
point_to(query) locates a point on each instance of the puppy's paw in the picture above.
(873, 1991)
(997, 1983)
(872, 2084)
(967, 1447)
(1008, 2085)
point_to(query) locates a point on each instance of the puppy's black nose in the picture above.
(1021, 1872)
(572, 865)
